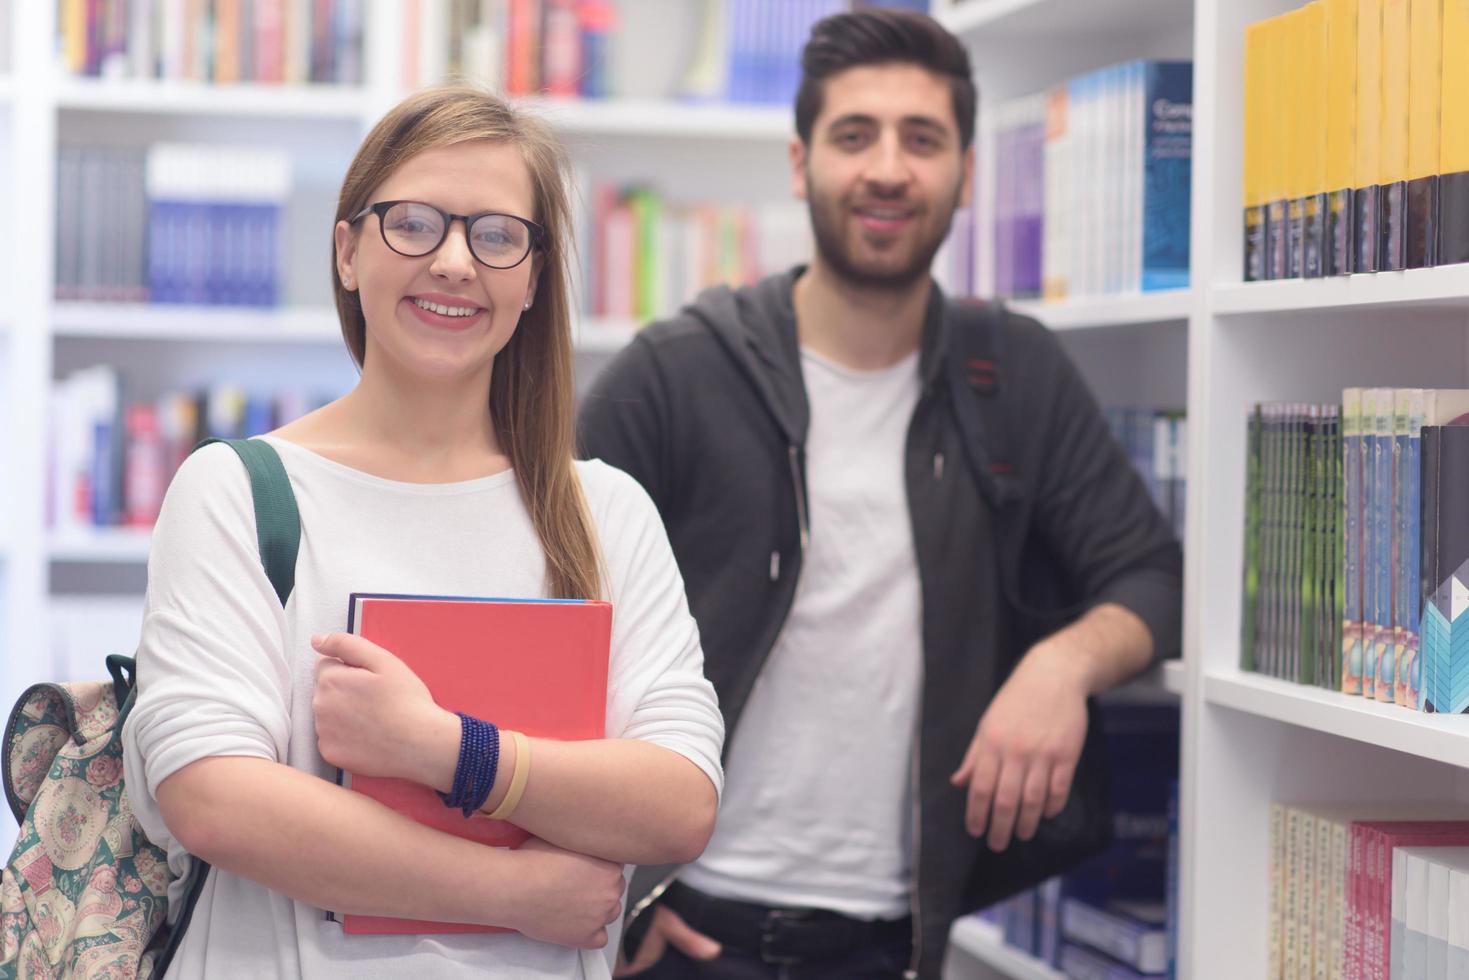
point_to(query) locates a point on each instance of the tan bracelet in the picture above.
(517, 782)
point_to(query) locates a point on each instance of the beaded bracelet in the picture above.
(479, 761)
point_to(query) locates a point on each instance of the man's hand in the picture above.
(374, 717)
(667, 928)
(1020, 765)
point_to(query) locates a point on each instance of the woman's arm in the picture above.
(339, 850)
(623, 800)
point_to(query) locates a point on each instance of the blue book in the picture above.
(1167, 173)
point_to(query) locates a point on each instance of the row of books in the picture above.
(1356, 138)
(1115, 916)
(645, 256)
(1346, 881)
(1355, 537)
(744, 51)
(111, 458)
(1292, 614)
(289, 42)
(176, 223)
(1156, 442)
(1092, 184)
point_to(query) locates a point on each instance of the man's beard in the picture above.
(827, 229)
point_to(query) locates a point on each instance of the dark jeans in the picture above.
(868, 964)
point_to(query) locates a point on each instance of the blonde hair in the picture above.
(532, 388)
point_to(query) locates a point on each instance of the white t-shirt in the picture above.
(224, 670)
(818, 801)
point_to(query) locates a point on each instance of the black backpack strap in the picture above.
(974, 365)
(278, 529)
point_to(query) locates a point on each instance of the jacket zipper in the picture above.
(914, 785)
(794, 456)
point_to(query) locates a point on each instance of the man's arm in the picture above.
(1094, 513)
(623, 420)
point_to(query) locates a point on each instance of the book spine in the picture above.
(1352, 544)
(1453, 181)
(1365, 198)
(1168, 153)
(1424, 81)
(1396, 53)
(1341, 126)
(1276, 912)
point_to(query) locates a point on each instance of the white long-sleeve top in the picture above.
(224, 670)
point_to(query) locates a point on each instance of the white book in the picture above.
(1447, 922)
(1457, 944)
(1407, 949)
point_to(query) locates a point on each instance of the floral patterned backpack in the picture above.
(85, 892)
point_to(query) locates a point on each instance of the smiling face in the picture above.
(883, 173)
(442, 316)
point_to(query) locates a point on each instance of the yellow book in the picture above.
(1277, 148)
(1369, 134)
(1424, 87)
(1310, 151)
(1341, 131)
(1296, 122)
(1255, 145)
(1453, 150)
(1393, 163)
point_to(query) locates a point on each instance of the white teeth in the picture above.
(442, 310)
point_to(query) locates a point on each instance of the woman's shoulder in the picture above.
(610, 490)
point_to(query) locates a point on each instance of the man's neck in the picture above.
(866, 329)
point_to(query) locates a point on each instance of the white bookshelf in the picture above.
(143, 97)
(646, 119)
(144, 321)
(1445, 288)
(1170, 306)
(100, 546)
(977, 952)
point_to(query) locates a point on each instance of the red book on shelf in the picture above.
(1370, 884)
(533, 666)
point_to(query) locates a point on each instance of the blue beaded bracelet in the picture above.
(479, 761)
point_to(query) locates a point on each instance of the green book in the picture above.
(1249, 618)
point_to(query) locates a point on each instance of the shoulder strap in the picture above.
(974, 363)
(277, 521)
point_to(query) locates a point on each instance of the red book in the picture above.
(1374, 882)
(534, 666)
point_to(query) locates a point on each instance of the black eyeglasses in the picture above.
(414, 229)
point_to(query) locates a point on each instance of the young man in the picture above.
(857, 601)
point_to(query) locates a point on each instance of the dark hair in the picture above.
(876, 36)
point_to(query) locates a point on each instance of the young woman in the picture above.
(447, 471)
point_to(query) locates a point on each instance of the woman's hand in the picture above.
(374, 717)
(564, 897)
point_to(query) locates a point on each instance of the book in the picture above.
(1365, 195)
(1420, 207)
(1134, 933)
(1444, 548)
(1341, 132)
(1456, 914)
(530, 665)
(1453, 180)
(1081, 963)
(1393, 163)
(1374, 879)
(1256, 149)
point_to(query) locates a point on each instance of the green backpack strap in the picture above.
(277, 521)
